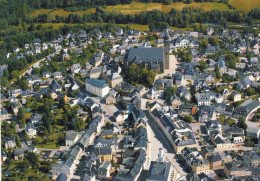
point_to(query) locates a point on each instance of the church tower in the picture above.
(166, 50)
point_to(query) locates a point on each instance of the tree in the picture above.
(231, 61)
(255, 118)
(241, 123)
(203, 44)
(202, 65)
(18, 142)
(108, 125)
(46, 122)
(213, 41)
(21, 114)
(77, 124)
(187, 119)
(250, 91)
(33, 158)
(168, 92)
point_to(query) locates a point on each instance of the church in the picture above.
(154, 58)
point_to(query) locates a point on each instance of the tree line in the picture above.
(175, 18)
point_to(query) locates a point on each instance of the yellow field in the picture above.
(138, 7)
(245, 5)
(131, 26)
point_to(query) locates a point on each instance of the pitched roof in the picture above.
(97, 82)
(145, 54)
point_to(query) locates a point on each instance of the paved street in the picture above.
(173, 66)
(158, 140)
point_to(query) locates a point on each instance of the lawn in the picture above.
(52, 139)
(245, 5)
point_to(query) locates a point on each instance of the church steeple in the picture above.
(166, 50)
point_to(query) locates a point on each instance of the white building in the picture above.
(75, 68)
(97, 87)
(31, 130)
(72, 137)
(236, 97)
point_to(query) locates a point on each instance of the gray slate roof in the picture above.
(139, 55)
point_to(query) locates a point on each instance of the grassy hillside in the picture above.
(138, 7)
(132, 26)
(60, 12)
(245, 5)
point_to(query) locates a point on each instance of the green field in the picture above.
(131, 26)
(245, 5)
(60, 12)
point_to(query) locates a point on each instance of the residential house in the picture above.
(86, 139)
(253, 158)
(36, 119)
(68, 166)
(9, 142)
(75, 68)
(15, 92)
(253, 132)
(96, 59)
(134, 162)
(46, 74)
(15, 107)
(96, 124)
(72, 137)
(183, 92)
(205, 98)
(4, 114)
(236, 97)
(163, 83)
(57, 75)
(237, 168)
(205, 114)
(183, 139)
(222, 66)
(215, 162)
(30, 130)
(152, 93)
(16, 50)
(55, 86)
(178, 78)
(188, 109)
(195, 160)
(104, 170)
(175, 101)
(18, 154)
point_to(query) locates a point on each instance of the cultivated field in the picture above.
(138, 7)
(245, 5)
